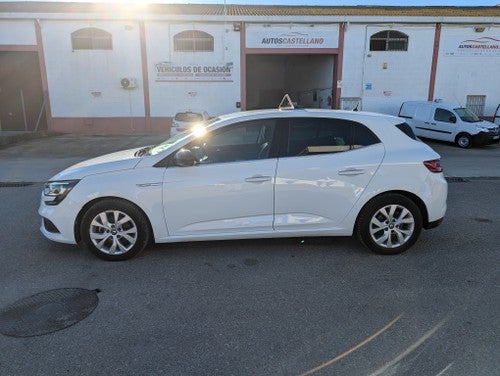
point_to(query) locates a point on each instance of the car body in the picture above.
(184, 120)
(254, 174)
(448, 122)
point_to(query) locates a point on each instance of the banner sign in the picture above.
(484, 46)
(167, 71)
(281, 36)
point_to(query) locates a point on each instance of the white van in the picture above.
(448, 122)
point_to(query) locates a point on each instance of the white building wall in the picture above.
(86, 83)
(468, 72)
(17, 32)
(385, 79)
(189, 89)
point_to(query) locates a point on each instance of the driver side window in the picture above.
(244, 141)
(443, 115)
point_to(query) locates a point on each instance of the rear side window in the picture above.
(308, 136)
(406, 129)
(188, 116)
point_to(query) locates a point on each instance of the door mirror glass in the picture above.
(453, 119)
(184, 158)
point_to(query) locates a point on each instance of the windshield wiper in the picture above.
(143, 151)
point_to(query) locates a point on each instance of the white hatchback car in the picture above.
(256, 174)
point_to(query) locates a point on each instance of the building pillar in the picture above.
(435, 53)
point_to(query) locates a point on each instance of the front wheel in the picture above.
(389, 224)
(464, 140)
(114, 230)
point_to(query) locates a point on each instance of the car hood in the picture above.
(488, 124)
(121, 160)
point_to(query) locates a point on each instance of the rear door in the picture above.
(421, 122)
(324, 167)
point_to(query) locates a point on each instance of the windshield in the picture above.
(467, 115)
(177, 138)
(188, 117)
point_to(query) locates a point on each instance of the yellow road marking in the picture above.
(422, 339)
(359, 345)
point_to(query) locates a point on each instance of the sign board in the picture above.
(292, 36)
(166, 71)
(484, 46)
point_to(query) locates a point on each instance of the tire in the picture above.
(463, 141)
(389, 224)
(115, 230)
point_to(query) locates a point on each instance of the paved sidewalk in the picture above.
(37, 160)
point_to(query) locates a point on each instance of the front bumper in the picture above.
(58, 221)
(485, 138)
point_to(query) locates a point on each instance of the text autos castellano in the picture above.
(293, 40)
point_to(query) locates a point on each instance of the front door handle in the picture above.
(352, 171)
(258, 179)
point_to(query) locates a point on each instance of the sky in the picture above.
(311, 2)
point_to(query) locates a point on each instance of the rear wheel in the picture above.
(389, 224)
(114, 230)
(464, 140)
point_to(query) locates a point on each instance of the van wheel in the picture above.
(463, 140)
(389, 224)
(115, 230)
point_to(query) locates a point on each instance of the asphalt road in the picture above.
(266, 307)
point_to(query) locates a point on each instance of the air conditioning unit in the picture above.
(128, 83)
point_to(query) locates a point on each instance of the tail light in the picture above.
(434, 165)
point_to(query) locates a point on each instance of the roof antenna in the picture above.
(286, 103)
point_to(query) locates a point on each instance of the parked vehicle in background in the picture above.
(448, 122)
(257, 174)
(496, 117)
(184, 120)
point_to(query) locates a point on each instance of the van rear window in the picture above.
(406, 129)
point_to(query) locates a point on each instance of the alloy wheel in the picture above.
(113, 232)
(392, 226)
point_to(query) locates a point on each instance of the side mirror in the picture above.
(453, 119)
(184, 158)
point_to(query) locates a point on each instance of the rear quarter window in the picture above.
(406, 129)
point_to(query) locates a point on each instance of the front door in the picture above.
(443, 125)
(230, 189)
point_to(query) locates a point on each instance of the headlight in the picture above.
(482, 128)
(56, 191)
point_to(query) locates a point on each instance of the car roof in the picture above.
(433, 103)
(361, 116)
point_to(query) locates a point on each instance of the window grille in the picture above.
(193, 41)
(91, 38)
(389, 40)
(476, 104)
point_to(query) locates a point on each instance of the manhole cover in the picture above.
(47, 312)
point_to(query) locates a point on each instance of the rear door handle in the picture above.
(258, 179)
(352, 171)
